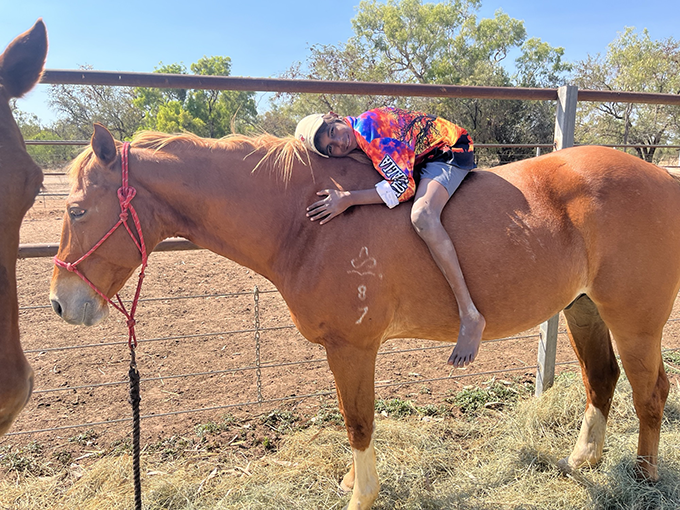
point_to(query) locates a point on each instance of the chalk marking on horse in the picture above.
(362, 261)
(365, 311)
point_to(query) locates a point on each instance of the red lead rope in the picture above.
(125, 195)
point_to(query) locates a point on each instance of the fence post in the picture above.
(258, 371)
(565, 122)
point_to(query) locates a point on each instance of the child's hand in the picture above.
(333, 205)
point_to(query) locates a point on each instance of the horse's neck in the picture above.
(216, 200)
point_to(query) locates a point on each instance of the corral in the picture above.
(282, 356)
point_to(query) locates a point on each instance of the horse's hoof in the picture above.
(646, 473)
(347, 484)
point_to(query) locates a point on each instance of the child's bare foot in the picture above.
(469, 338)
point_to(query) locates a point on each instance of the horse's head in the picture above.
(93, 208)
(21, 65)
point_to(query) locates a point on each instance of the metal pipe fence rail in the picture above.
(161, 80)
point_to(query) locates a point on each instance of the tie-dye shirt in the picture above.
(399, 141)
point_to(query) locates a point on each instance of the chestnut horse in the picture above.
(20, 180)
(590, 230)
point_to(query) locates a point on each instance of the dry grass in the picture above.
(491, 460)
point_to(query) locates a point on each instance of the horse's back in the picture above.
(530, 237)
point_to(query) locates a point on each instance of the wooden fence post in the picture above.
(565, 121)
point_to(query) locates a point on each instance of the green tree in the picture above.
(210, 113)
(633, 62)
(408, 41)
(46, 156)
(79, 106)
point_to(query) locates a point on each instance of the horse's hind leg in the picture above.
(641, 358)
(636, 322)
(590, 339)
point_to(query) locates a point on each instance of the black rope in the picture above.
(134, 400)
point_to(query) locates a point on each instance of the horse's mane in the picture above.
(277, 154)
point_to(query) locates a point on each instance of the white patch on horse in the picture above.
(365, 311)
(362, 292)
(366, 482)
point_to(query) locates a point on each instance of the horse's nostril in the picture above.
(56, 307)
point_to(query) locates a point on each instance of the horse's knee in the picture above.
(16, 387)
(424, 220)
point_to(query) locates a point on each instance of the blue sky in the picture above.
(264, 37)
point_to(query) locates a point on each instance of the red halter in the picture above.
(125, 195)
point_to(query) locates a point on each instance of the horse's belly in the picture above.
(516, 282)
(432, 312)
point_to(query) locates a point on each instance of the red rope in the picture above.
(125, 195)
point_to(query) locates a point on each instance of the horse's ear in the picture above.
(21, 65)
(103, 144)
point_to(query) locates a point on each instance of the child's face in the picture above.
(338, 140)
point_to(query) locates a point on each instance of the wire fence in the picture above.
(241, 401)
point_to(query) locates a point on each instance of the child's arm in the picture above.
(337, 201)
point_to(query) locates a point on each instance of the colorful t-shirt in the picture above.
(399, 141)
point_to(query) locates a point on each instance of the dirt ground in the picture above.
(196, 320)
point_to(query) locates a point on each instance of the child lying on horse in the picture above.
(403, 145)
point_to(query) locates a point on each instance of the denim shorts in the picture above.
(448, 175)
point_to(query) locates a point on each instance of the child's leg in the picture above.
(430, 199)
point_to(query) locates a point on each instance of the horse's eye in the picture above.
(76, 212)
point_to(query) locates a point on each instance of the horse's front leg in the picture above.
(354, 369)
